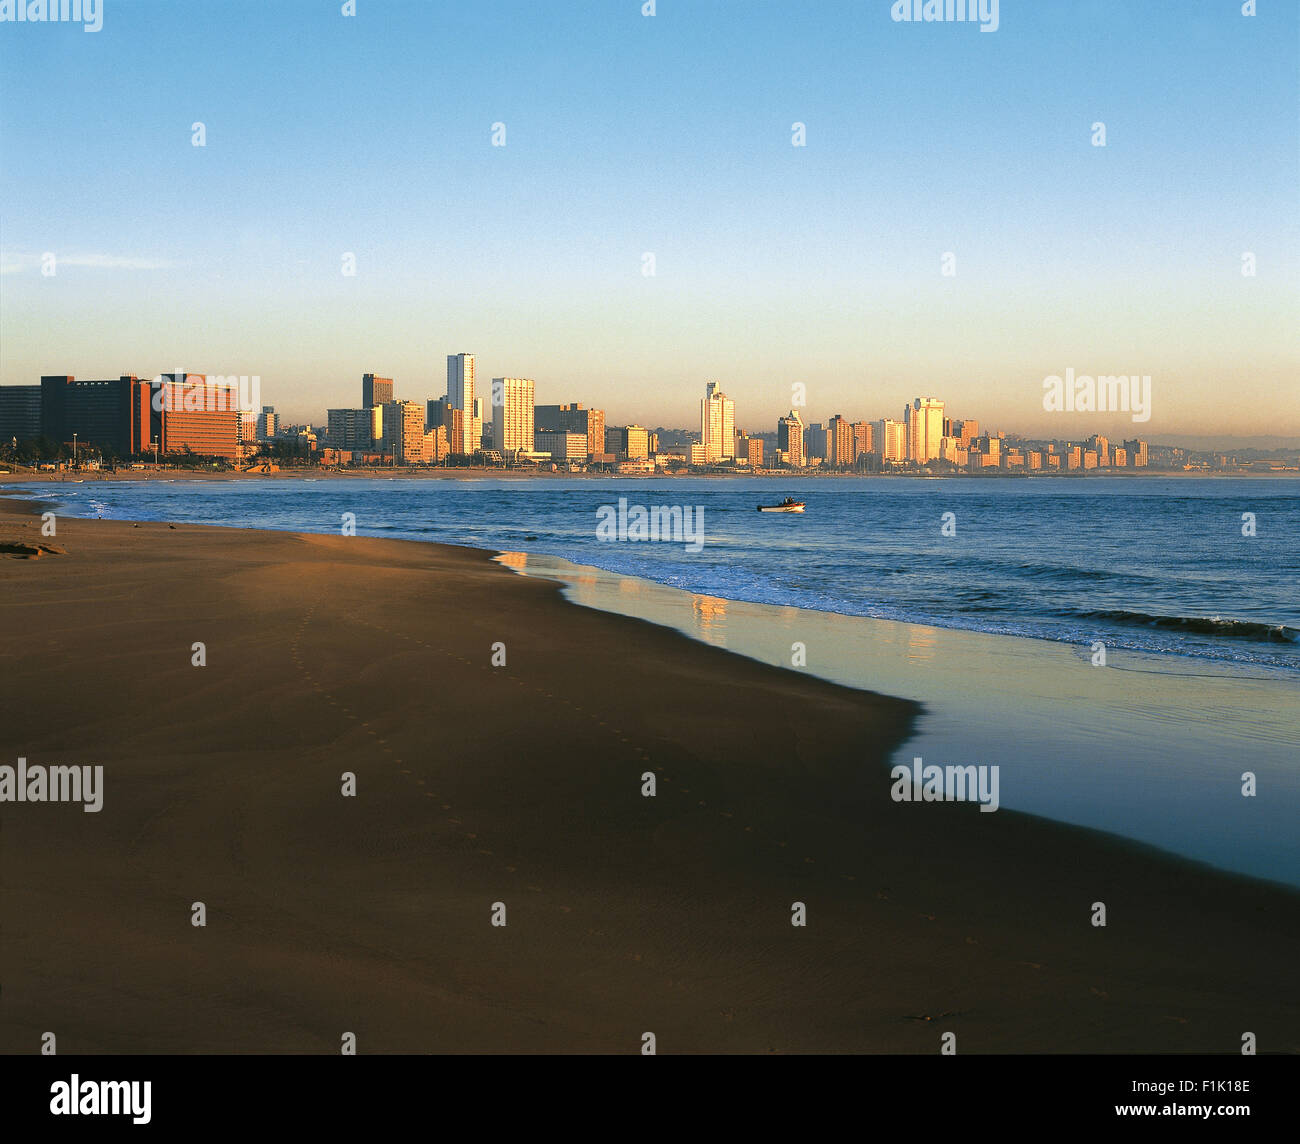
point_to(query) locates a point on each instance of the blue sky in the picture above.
(669, 134)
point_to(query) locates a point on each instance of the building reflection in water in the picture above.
(709, 613)
(920, 642)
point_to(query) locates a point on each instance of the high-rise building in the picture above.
(892, 443)
(790, 439)
(403, 431)
(573, 418)
(561, 444)
(376, 390)
(20, 413)
(1137, 453)
(815, 442)
(862, 439)
(636, 442)
(359, 430)
(248, 421)
(433, 415)
(435, 444)
(454, 422)
(755, 452)
(954, 449)
(839, 442)
(628, 442)
(476, 429)
(990, 445)
(717, 424)
(268, 423)
(965, 429)
(196, 415)
(460, 395)
(116, 414)
(924, 421)
(512, 414)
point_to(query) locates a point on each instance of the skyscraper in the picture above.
(403, 427)
(453, 421)
(815, 442)
(789, 439)
(512, 414)
(839, 442)
(924, 421)
(862, 439)
(891, 440)
(375, 390)
(717, 424)
(460, 395)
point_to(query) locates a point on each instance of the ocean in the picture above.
(1143, 564)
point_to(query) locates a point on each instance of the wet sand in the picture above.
(1149, 747)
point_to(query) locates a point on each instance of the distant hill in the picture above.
(1217, 444)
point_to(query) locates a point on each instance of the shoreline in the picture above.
(1205, 657)
(1032, 699)
(522, 784)
(1087, 722)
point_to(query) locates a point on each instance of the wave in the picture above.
(1201, 625)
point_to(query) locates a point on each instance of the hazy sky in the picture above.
(669, 134)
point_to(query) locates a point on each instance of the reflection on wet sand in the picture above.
(1146, 747)
(921, 642)
(709, 613)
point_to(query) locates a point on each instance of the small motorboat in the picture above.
(787, 505)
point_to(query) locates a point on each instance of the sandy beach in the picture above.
(522, 784)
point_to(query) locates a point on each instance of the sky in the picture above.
(669, 135)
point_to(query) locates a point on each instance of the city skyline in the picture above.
(220, 417)
(461, 368)
(824, 263)
(919, 436)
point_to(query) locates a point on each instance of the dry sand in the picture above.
(522, 785)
